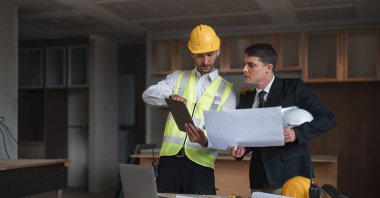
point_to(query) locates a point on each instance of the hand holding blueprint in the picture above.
(257, 127)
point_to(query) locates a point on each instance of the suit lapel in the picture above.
(251, 98)
(274, 93)
(247, 99)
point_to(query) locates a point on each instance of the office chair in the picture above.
(132, 160)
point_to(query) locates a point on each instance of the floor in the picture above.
(74, 193)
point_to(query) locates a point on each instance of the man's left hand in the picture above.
(289, 135)
(196, 134)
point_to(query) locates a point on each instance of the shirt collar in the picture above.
(267, 88)
(211, 76)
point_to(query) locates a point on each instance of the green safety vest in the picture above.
(212, 99)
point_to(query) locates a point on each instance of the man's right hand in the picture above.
(178, 98)
(236, 151)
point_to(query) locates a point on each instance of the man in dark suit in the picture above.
(270, 167)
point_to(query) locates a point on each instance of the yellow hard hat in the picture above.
(203, 39)
(296, 187)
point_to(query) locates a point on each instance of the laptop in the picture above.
(137, 181)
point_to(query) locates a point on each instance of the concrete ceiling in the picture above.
(131, 20)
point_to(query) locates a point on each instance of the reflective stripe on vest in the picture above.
(197, 121)
(183, 81)
(212, 99)
(178, 140)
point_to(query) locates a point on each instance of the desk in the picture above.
(170, 195)
(231, 176)
(26, 177)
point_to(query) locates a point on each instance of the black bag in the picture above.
(329, 191)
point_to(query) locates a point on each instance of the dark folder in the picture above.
(180, 113)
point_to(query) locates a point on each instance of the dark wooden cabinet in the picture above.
(48, 71)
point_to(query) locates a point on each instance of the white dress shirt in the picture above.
(266, 89)
(156, 94)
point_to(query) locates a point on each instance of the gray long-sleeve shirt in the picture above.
(156, 94)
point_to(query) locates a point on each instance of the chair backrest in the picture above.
(138, 148)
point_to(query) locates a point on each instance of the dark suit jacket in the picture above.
(284, 162)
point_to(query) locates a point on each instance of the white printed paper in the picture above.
(266, 195)
(256, 127)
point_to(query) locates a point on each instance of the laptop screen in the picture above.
(137, 181)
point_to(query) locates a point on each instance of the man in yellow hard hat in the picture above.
(186, 163)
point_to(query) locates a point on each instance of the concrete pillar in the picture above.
(8, 80)
(103, 115)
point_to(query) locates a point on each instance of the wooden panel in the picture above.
(355, 138)
(290, 51)
(231, 177)
(164, 60)
(132, 57)
(30, 116)
(325, 172)
(30, 64)
(31, 150)
(235, 51)
(55, 75)
(185, 60)
(55, 123)
(322, 56)
(362, 53)
(78, 66)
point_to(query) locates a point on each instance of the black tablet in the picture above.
(180, 113)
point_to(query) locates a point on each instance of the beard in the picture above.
(205, 68)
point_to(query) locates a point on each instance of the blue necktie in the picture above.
(261, 99)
